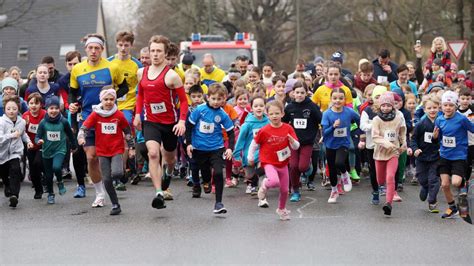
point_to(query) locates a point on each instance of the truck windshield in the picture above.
(223, 57)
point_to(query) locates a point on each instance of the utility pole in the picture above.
(460, 22)
(298, 34)
(209, 17)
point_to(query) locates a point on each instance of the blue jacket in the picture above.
(378, 70)
(247, 132)
(453, 136)
(422, 139)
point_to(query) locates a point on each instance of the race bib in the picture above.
(53, 135)
(158, 108)
(428, 137)
(449, 142)
(33, 128)
(255, 131)
(109, 128)
(300, 123)
(123, 98)
(381, 79)
(283, 154)
(390, 135)
(206, 128)
(340, 132)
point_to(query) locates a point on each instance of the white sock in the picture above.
(99, 188)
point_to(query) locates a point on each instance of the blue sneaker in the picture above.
(295, 197)
(80, 192)
(61, 188)
(375, 198)
(51, 199)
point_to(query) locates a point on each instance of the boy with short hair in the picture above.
(206, 142)
(467, 109)
(364, 76)
(451, 128)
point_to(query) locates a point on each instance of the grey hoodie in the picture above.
(11, 147)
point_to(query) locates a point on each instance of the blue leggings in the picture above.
(53, 167)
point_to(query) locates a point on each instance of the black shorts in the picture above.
(160, 133)
(452, 167)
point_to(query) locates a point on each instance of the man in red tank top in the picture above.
(158, 88)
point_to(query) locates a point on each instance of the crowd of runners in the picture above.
(162, 115)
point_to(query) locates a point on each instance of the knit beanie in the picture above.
(289, 85)
(387, 97)
(378, 90)
(450, 97)
(52, 101)
(9, 82)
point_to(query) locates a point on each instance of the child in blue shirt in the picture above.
(451, 129)
(206, 142)
(336, 125)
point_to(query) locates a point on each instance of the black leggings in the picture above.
(79, 160)
(35, 162)
(338, 161)
(314, 163)
(373, 175)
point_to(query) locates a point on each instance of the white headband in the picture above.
(94, 40)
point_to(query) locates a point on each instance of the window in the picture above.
(22, 54)
(65, 48)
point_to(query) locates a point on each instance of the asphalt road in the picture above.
(186, 232)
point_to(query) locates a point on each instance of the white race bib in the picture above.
(390, 135)
(109, 128)
(33, 128)
(340, 132)
(53, 135)
(449, 142)
(300, 123)
(206, 128)
(255, 131)
(283, 154)
(381, 79)
(428, 137)
(158, 108)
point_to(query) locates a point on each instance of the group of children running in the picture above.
(277, 134)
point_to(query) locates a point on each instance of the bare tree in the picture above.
(13, 14)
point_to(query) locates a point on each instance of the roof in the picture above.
(49, 24)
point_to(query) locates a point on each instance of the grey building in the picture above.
(48, 27)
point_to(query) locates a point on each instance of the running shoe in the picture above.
(433, 207)
(354, 175)
(115, 209)
(120, 186)
(463, 206)
(136, 179)
(190, 183)
(375, 198)
(183, 172)
(325, 182)
(219, 208)
(38, 195)
(207, 188)
(158, 202)
(397, 197)
(13, 201)
(382, 190)
(311, 186)
(263, 203)
(450, 213)
(80, 192)
(61, 188)
(284, 214)
(423, 193)
(98, 202)
(340, 190)
(254, 191)
(262, 191)
(400, 187)
(197, 191)
(51, 199)
(248, 190)
(414, 181)
(235, 181)
(346, 181)
(333, 197)
(167, 195)
(295, 197)
(229, 184)
(387, 209)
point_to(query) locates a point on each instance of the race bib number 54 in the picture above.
(283, 154)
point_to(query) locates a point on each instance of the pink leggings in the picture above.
(386, 171)
(278, 176)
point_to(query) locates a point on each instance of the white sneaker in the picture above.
(346, 181)
(333, 197)
(249, 189)
(397, 197)
(98, 202)
(263, 203)
(284, 214)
